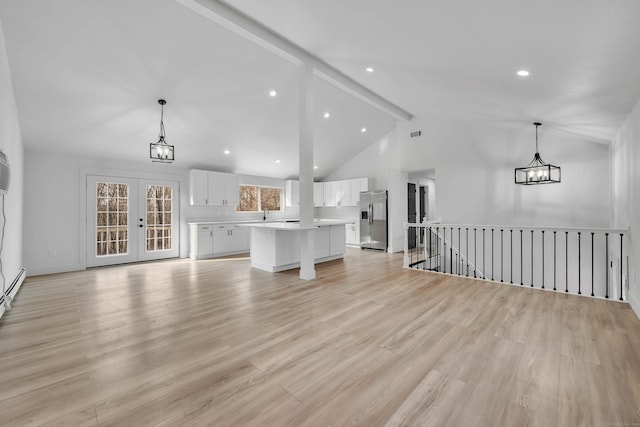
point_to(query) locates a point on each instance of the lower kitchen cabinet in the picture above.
(214, 240)
(352, 234)
(276, 249)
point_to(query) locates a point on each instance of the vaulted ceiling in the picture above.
(87, 73)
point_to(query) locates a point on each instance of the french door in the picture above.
(130, 219)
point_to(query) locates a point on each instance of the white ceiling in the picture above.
(87, 73)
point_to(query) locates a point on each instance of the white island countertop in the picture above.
(296, 225)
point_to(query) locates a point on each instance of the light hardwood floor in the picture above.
(213, 342)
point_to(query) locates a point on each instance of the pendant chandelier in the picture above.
(161, 151)
(537, 171)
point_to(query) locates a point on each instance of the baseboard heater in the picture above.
(15, 284)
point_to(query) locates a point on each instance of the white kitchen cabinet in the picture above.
(350, 234)
(220, 239)
(223, 189)
(336, 240)
(213, 240)
(321, 241)
(208, 188)
(283, 247)
(318, 194)
(239, 239)
(276, 246)
(345, 192)
(291, 193)
(355, 187)
(336, 193)
(198, 187)
(203, 245)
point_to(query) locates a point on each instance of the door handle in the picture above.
(141, 225)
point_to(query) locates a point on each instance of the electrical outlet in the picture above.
(52, 252)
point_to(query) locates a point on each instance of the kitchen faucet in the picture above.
(264, 214)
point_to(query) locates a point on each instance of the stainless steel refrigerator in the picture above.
(373, 220)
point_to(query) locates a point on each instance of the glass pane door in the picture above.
(161, 226)
(131, 220)
(109, 214)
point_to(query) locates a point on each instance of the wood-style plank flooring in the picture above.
(214, 342)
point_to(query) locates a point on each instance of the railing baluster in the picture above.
(492, 252)
(467, 235)
(542, 259)
(621, 299)
(554, 260)
(475, 253)
(579, 252)
(566, 261)
(532, 258)
(592, 264)
(606, 250)
(451, 252)
(484, 258)
(521, 263)
(459, 258)
(438, 244)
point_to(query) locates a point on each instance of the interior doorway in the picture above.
(411, 213)
(131, 219)
(424, 195)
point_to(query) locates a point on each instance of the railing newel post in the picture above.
(606, 250)
(592, 278)
(554, 260)
(501, 254)
(542, 259)
(621, 259)
(566, 261)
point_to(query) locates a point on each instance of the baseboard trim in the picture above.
(634, 302)
(54, 270)
(13, 289)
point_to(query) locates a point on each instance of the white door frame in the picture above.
(117, 174)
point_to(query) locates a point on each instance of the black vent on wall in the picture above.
(416, 133)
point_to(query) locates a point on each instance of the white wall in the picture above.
(55, 185)
(11, 145)
(625, 202)
(474, 165)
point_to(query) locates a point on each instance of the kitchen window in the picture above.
(256, 198)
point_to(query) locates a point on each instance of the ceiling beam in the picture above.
(231, 18)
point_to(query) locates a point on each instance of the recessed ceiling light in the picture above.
(363, 130)
(273, 93)
(326, 115)
(369, 70)
(227, 152)
(523, 73)
(315, 167)
(278, 161)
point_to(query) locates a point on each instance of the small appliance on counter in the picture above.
(373, 220)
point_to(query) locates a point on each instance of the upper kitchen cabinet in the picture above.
(291, 193)
(355, 187)
(344, 192)
(208, 188)
(336, 193)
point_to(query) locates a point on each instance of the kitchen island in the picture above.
(275, 246)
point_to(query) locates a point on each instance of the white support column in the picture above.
(305, 124)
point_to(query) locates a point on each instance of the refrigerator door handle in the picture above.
(370, 213)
